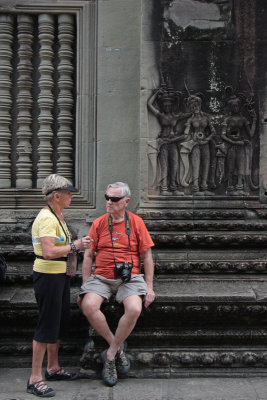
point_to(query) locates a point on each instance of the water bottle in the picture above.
(36, 239)
(59, 239)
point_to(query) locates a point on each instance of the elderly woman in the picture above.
(52, 244)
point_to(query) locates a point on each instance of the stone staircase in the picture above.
(210, 312)
(194, 326)
(213, 326)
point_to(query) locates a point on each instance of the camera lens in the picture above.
(126, 275)
(124, 271)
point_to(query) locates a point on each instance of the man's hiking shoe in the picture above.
(109, 372)
(123, 364)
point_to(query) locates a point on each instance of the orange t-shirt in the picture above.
(139, 238)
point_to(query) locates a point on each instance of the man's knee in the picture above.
(90, 304)
(133, 308)
(135, 312)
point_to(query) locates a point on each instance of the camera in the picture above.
(123, 271)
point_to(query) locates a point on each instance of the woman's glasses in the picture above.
(113, 199)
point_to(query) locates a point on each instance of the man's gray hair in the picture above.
(53, 182)
(125, 190)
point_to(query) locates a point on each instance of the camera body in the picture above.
(123, 271)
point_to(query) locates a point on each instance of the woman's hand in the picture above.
(50, 251)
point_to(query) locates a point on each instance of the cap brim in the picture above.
(70, 188)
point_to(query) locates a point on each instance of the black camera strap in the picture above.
(68, 236)
(128, 232)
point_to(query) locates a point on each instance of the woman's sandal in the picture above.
(40, 389)
(61, 375)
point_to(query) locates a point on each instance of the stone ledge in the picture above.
(172, 290)
(207, 335)
(171, 361)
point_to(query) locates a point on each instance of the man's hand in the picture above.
(150, 297)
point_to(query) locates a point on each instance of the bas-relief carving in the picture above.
(236, 136)
(167, 150)
(195, 158)
(196, 150)
(207, 143)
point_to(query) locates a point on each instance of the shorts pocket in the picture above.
(89, 279)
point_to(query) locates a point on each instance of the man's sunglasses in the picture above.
(113, 199)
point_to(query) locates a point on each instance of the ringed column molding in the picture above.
(65, 97)
(24, 102)
(45, 98)
(6, 40)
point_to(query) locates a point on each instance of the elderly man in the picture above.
(119, 238)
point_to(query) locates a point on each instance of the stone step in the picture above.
(178, 360)
(179, 299)
(175, 263)
(148, 361)
(172, 289)
(240, 335)
(16, 351)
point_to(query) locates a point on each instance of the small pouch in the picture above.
(72, 264)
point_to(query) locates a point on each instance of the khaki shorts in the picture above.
(107, 287)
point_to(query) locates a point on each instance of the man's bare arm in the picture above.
(149, 275)
(87, 264)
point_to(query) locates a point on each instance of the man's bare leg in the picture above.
(132, 311)
(90, 306)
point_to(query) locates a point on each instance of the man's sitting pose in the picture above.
(119, 238)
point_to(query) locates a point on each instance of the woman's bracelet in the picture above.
(73, 247)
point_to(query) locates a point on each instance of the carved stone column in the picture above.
(24, 102)
(6, 39)
(45, 99)
(65, 97)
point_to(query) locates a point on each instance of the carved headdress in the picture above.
(233, 98)
(193, 98)
(166, 94)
